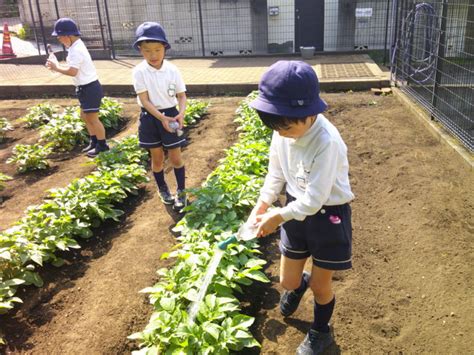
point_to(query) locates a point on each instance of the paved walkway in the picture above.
(202, 76)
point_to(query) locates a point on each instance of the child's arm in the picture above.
(181, 96)
(66, 70)
(165, 120)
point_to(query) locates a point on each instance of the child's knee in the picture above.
(176, 159)
(290, 283)
(321, 290)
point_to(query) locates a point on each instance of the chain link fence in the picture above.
(432, 60)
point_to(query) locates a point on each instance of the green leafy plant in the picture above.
(67, 214)
(3, 178)
(24, 32)
(110, 113)
(5, 126)
(217, 210)
(39, 115)
(195, 110)
(30, 157)
(64, 131)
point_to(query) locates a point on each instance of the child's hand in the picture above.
(166, 123)
(268, 222)
(51, 65)
(259, 209)
(180, 119)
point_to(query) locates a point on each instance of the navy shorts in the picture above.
(90, 96)
(152, 134)
(325, 236)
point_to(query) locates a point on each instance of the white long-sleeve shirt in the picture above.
(314, 167)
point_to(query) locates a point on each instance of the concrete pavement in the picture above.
(211, 76)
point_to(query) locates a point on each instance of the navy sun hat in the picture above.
(150, 31)
(290, 89)
(65, 27)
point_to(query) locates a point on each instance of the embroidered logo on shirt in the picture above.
(302, 176)
(172, 90)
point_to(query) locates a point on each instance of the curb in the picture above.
(40, 91)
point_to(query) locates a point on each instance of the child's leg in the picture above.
(291, 271)
(157, 160)
(176, 160)
(93, 124)
(321, 285)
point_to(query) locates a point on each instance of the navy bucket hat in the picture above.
(290, 89)
(65, 27)
(150, 31)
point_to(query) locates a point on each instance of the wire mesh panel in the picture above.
(433, 60)
(226, 27)
(40, 16)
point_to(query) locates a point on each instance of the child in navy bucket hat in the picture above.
(159, 88)
(309, 158)
(79, 65)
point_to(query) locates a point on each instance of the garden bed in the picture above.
(412, 218)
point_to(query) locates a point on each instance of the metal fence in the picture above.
(433, 60)
(223, 27)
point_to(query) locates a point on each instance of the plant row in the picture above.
(68, 214)
(64, 131)
(218, 208)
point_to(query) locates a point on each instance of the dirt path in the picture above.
(410, 290)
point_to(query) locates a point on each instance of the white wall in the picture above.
(281, 28)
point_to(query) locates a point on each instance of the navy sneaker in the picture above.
(97, 150)
(180, 201)
(165, 195)
(89, 147)
(314, 343)
(290, 300)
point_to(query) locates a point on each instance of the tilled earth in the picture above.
(410, 290)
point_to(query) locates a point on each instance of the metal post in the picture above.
(395, 42)
(386, 34)
(440, 54)
(58, 16)
(110, 28)
(42, 27)
(100, 24)
(202, 29)
(56, 8)
(34, 26)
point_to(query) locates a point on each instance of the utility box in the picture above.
(307, 52)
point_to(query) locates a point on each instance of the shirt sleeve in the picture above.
(180, 86)
(139, 82)
(320, 182)
(275, 180)
(75, 59)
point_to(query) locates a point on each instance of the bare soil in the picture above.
(410, 290)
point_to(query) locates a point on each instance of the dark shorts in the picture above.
(90, 96)
(152, 134)
(325, 236)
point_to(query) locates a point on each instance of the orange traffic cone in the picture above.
(7, 49)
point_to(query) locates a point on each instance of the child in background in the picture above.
(309, 157)
(160, 88)
(84, 75)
